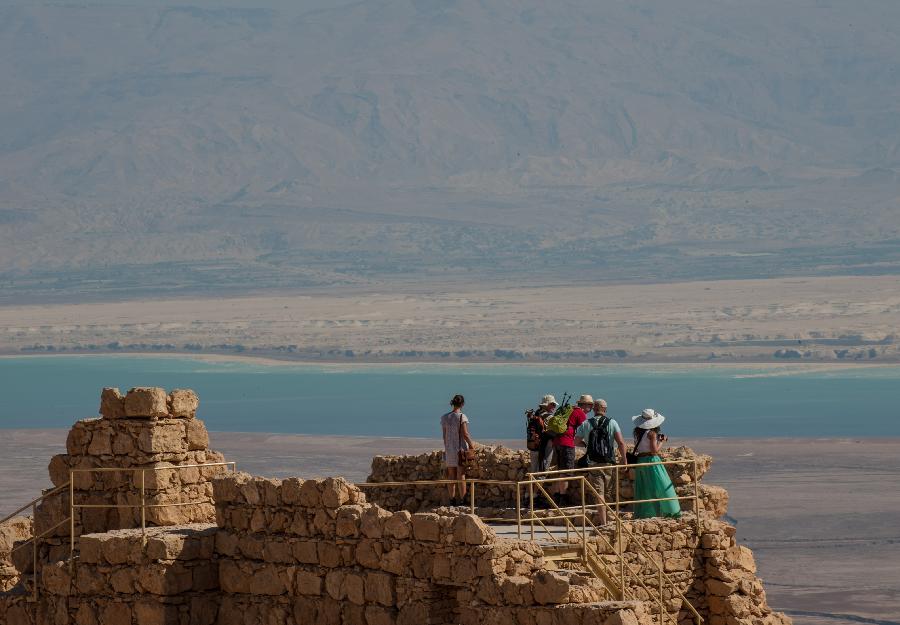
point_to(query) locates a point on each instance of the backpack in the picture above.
(600, 445)
(559, 422)
(534, 432)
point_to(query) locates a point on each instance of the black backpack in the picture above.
(600, 442)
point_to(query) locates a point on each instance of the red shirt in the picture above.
(567, 438)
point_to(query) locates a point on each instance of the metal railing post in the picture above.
(583, 523)
(34, 555)
(531, 505)
(143, 508)
(519, 510)
(696, 501)
(71, 523)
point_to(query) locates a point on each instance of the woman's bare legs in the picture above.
(461, 476)
(451, 475)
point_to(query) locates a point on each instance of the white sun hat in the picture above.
(648, 419)
(546, 400)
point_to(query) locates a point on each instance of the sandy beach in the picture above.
(820, 514)
(841, 318)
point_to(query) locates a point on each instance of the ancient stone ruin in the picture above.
(229, 548)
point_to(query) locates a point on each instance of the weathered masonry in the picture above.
(146, 526)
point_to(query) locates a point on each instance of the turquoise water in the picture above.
(406, 400)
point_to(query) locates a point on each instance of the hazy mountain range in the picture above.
(152, 147)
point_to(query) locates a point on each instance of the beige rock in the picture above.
(112, 403)
(183, 403)
(310, 497)
(399, 525)
(115, 613)
(308, 582)
(335, 492)
(354, 588)
(167, 437)
(290, 490)
(380, 589)
(55, 578)
(426, 526)
(550, 587)
(146, 401)
(471, 530)
(372, 521)
(348, 521)
(197, 436)
(78, 439)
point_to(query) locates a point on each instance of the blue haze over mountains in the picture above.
(229, 146)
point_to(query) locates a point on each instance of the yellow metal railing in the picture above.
(143, 505)
(34, 541)
(70, 519)
(570, 515)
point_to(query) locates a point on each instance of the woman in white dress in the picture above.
(455, 427)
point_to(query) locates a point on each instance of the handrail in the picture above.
(647, 553)
(33, 540)
(34, 501)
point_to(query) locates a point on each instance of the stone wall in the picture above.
(294, 552)
(503, 464)
(145, 428)
(291, 552)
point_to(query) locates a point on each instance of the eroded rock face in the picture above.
(12, 533)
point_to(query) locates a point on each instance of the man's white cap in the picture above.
(546, 400)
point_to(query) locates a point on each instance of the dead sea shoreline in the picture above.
(269, 360)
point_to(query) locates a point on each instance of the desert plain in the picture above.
(821, 515)
(814, 319)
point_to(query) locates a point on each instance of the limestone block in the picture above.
(123, 443)
(426, 526)
(78, 439)
(85, 615)
(122, 580)
(517, 590)
(335, 492)
(112, 403)
(146, 401)
(310, 497)
(115, 613)
(308, 582)
(380, 616)
(277, 551)
(152, 612)
(380, 589)
(163, 437)
(334, 584)
(305, 551)
(741, 557)
(182, 403)
(88, 581)
(55, 578)
(348, 521)
(161, 578)
(270, 491)
(471, 530)
(197, 436)
(372, 521)
(354, 588)
(549, 587)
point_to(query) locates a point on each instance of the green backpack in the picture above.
(559, 422)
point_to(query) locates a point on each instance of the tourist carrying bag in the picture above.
(559, 422)
(631, 456)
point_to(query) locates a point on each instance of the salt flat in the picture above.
(843, 319)
(820, 514)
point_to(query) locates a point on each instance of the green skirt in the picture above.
(654, 483)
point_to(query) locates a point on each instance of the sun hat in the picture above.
(546, 400)
(648, 419)
(586, 399)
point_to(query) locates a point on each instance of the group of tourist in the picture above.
(553, 433)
